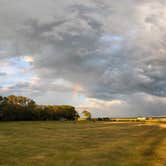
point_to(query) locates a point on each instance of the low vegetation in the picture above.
(52, 143)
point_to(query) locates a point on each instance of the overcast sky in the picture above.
(108, 56)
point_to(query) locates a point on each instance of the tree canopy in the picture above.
(87, 114)
(22, 108)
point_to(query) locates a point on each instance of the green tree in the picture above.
(23, 108)
(87, 114)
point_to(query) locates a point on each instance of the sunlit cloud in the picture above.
(28, 59)
(35, 80)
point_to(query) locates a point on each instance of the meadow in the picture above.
(51, 143)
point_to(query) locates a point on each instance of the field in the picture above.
(82, 144)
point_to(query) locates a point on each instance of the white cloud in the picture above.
(28, 59)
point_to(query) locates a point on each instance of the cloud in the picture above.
(28, 59)
(111, 49)
(139, 104)
(2, 74)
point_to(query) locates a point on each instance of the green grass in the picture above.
(81, 144)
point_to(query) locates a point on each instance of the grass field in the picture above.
(81, 144)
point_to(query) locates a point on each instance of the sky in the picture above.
(106, 56)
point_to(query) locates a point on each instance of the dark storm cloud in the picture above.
(113, 49)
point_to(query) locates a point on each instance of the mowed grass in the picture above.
(81, 144)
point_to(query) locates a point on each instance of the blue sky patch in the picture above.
(17, 70)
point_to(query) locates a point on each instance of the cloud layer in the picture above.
(112, 50)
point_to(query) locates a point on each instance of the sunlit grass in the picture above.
(81, 144)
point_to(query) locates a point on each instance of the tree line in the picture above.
(22, 108)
